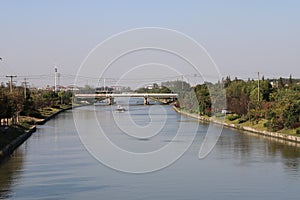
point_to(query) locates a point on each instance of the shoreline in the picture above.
(270, 134)
(13, 145)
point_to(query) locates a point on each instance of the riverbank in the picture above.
(206, 119)
(8, 149)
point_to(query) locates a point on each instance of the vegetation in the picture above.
(36, 104)
(20, 109)
(154, 89)
(19, 112)
(274, 106)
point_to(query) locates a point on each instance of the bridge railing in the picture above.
(154, 95)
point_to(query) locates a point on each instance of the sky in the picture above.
(242, 37)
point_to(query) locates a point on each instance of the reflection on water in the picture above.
(9, 173)
(53, 164)
(248, 146)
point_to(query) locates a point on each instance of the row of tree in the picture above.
(277, 101)
(29, 103)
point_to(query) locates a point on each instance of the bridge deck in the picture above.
(144, 95)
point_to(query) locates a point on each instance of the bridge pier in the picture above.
(109, 101)
(146, 102)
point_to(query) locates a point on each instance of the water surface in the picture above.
(53, 164)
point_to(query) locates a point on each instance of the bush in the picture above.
(267, 124)
(243, 119)
(298, 131)
(270, 114)
(276, 125)
(35, 114)
(295, 125)
(56, 106)
(233, 117)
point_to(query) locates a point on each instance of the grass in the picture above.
(45, 112)
(289, 132)
(259, 125)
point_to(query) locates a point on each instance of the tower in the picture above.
(55, 79)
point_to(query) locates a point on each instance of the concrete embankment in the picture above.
(10, 148)
(242, 128)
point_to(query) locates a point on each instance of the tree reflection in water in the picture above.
(10, 171)
(247, 146)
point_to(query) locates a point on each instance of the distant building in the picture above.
(152, 86)
(274, 84)
(119, 88)
(72, 88)
(149, 87)
(63, 88)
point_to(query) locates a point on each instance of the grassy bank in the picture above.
(260, 125)
(29, 121)
(240, 124)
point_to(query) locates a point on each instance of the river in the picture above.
(54, 164)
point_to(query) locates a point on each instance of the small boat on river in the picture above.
(120, 109)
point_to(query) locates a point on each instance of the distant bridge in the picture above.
(162, 97)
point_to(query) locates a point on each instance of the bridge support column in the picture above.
(146, 102)
(109, 101)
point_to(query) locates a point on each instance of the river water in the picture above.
(54, 164)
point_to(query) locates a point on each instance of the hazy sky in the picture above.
(243, 37)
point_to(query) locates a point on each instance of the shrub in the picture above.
(232, 117)
(35, 114)
(295, 125)
(276, 125)
(270, 114)
(298, 131)
(243, 119)
(267, 124)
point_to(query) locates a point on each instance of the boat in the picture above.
(120, 109)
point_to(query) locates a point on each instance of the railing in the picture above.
(154, 95)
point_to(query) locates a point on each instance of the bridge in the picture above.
(162, 97)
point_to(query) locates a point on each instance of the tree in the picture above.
(227, 82)
(290, 81)
(237, 95)
(280, 83)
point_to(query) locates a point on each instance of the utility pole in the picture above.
(25, 88)
(11, 80)
(258, 97)
(55, 79)
(58, 79)
(104, 85)
(182, 82)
